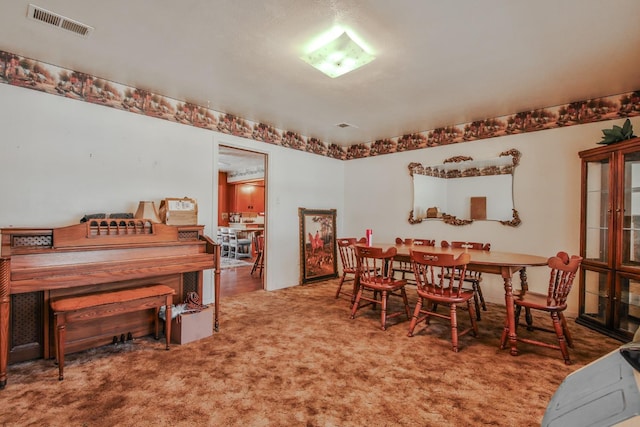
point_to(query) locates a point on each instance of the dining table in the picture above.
(505, 264)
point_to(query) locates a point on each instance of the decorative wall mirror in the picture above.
(462, 190)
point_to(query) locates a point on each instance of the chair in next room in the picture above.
(258, 243)
(223, 240)
(239, 247)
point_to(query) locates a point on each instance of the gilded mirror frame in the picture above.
(468, 168)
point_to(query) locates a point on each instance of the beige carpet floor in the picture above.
(294, 358)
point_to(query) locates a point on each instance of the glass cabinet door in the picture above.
(630, 245)
(596, 296)
(629, 315)
(597, 211)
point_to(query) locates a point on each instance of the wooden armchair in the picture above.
(563, 271)
(435, 286)
(376, 274)
(404, 268)
(349, 263)
(239, 246)
(472, 277)
(424, 242)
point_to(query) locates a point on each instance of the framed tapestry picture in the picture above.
(317, 244)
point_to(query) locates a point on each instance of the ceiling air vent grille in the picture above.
(39, 14)
(346, 125)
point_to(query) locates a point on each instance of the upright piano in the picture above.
(40, 264)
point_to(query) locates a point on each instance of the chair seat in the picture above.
(448, 296)
(386, 284)
(536, 301)
(239, 247)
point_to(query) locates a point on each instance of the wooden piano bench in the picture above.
(99, 305)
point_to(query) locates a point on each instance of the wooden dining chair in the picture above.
(375, 273)
(424, 242)
(347, 253)
(472, 277)
(435, 287)
(404, 268)
(561, 276)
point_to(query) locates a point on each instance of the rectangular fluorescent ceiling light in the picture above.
(338, 56)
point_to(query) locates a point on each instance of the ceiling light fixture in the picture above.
(336, 55)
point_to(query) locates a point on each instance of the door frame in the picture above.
(265, 162)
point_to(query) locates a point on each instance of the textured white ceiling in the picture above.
(235, 160)
(439, 62)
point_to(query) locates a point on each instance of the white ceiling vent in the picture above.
(346, 125)
(39, 14)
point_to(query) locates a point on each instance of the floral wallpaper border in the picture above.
(17, 70)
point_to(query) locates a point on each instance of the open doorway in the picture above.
(242, 179)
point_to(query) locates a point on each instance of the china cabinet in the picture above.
(610, 239)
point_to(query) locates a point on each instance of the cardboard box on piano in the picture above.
(176, 211)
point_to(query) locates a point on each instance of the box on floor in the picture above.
(188, 327)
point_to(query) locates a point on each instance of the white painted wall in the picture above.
(61, 159)
(378, 195)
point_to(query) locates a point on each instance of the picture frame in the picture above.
(317, 244)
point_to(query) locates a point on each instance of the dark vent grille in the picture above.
(26, 318)
(187, 235)
(75, 27)
(190, 283)
(31, 241)
(39, 14)
(44, 16)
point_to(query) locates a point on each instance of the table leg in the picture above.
(525, 287)
(510, 322)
